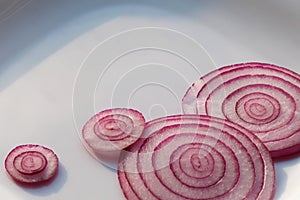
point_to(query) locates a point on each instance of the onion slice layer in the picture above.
(31, 163)
(263, 98)
(107, 133)
(192, 157)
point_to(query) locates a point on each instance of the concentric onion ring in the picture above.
(31, 163)
(193, 157)
(110, 131)
(261, 97)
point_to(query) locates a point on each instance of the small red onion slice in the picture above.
(107, 133)
(193, 157)
(31, 163)
(261, 97)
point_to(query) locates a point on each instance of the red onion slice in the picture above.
(31, 163)
(261, 97)
(107, 133)
(195, 157)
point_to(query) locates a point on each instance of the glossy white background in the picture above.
(53, 55)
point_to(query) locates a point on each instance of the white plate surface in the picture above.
(62, 61)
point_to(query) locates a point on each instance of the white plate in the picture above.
(60, 62)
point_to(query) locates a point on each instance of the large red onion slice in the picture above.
(261, 97)
(193, 157)
(31, 163)
(107, 133)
